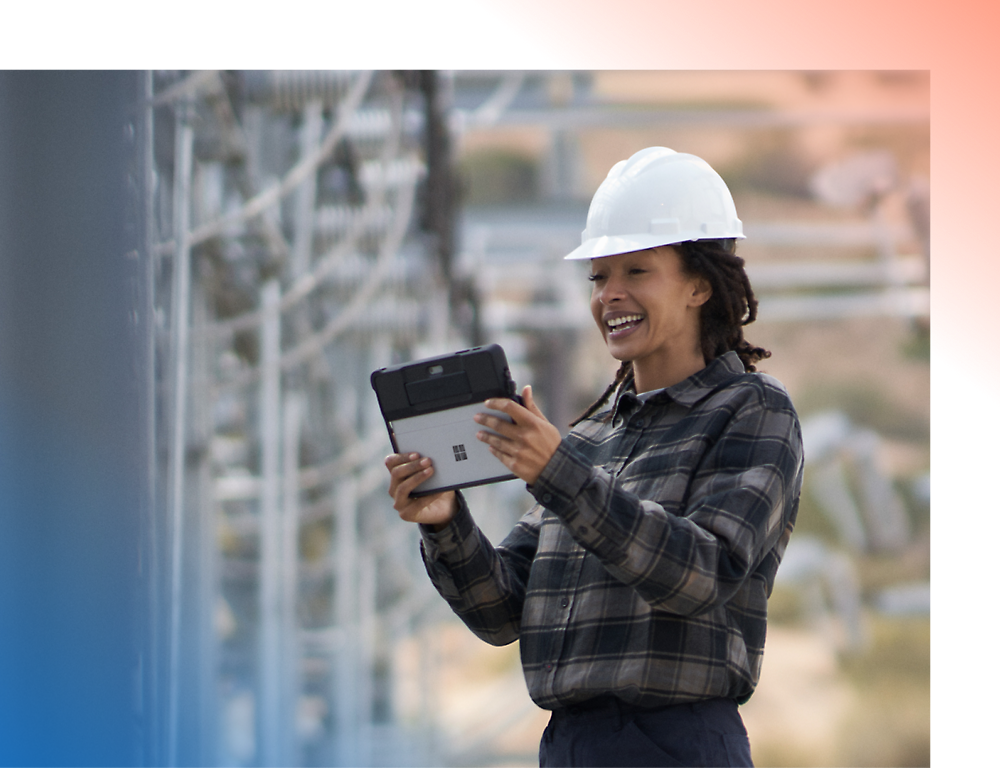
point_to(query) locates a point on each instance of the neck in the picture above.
(650, 375)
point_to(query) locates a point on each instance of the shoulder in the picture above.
(751, 421)
(749, 391)
(750, 407)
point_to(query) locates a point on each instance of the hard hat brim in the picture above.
(610, 245)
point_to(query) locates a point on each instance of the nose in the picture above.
(611, 291)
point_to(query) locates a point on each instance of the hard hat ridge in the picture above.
(657, 197)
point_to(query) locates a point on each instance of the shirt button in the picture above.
(546, 497)
(640, 422)
(564, 602)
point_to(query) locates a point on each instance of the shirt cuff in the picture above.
(562, 479)
(449, 541)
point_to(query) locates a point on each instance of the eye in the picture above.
(595, 277)
(637, 271)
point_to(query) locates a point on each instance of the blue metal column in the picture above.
(75, 509)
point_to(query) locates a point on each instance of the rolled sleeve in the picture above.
(454, 542)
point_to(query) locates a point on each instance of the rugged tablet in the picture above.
(428, 407)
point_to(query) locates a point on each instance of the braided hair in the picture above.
(731, 306)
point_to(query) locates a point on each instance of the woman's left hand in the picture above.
(524, 446)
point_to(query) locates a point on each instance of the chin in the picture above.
(621, 357)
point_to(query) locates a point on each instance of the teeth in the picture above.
(627, 319)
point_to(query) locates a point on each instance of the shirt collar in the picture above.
(688, 392)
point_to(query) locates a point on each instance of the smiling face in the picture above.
(647, 309)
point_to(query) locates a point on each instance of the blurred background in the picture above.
(268, 239)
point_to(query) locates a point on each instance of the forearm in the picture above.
(484, 585)
(686, 549)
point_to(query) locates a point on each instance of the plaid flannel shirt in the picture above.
(644, 569)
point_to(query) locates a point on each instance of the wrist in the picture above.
(443, 513)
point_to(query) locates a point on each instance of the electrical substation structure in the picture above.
(294, 248)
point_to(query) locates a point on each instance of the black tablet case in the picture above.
(428, 407)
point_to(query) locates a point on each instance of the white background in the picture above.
(195, 34)
(965, 464)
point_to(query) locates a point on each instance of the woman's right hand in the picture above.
(406, 472)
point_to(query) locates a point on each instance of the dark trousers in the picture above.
(607, 732)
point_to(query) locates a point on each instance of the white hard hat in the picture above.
(658, 197)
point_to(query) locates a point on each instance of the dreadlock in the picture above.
(623, 372)
(731, 306)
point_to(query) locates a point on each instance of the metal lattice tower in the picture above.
(288, 264)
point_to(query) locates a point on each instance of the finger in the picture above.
(401, 493)
(529, 401)
(407, 486)
(406, 469)
(496, 443)
(504, 458)
(501, 426)
(509, 452)
(484, 437)
(504, 405)
(518, 414)
(395, 459)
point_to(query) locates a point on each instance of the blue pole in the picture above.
(74, 430)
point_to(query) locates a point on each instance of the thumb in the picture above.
(529, 401)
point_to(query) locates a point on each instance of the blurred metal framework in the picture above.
(295, 249)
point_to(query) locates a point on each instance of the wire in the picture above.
(297, 174)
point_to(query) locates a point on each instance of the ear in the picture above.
(701, 291)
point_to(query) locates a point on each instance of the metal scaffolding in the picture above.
(288, 262)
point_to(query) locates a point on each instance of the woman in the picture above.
(638, 583)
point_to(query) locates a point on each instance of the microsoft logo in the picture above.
(460, 454)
